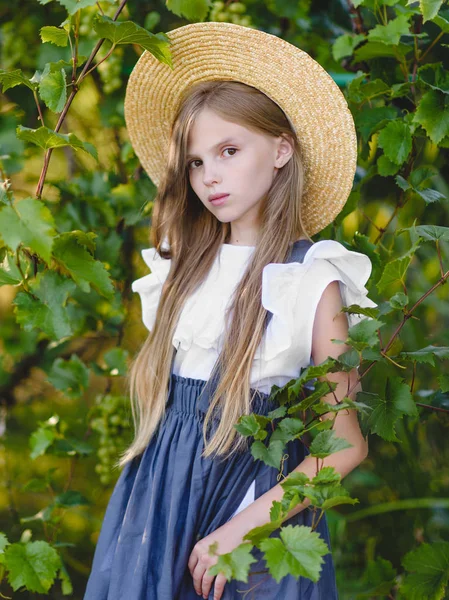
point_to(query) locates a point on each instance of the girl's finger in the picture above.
(220, 582)
(197, 575)
(207, 584)
(193, 561)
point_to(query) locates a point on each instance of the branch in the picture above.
(69, 101)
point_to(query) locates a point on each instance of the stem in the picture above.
(400, 326)
(439, 36)
(36, 99)
(69, 101)
(100, 61)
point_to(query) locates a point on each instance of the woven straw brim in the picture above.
(307, 94)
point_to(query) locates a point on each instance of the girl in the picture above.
(253, 149)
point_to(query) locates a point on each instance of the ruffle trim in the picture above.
(202, 324)
(283, 283)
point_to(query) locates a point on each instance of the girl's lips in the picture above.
(219, 201)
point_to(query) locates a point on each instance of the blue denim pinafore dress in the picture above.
(169, 497)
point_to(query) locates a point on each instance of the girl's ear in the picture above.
(284, 150)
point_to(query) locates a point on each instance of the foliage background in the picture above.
(64, 412)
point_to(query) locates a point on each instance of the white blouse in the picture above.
(291, 291)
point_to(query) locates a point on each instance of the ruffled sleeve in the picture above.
(291, 291)
(149, 287)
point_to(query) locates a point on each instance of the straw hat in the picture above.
(312, 101)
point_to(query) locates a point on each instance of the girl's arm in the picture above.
(329, 323)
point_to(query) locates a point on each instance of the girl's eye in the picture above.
(198, 160)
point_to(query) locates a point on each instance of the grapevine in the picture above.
(233, 12)
(110, 420)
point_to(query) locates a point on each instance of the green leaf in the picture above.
(46, 138)
(435, 76)
(235, 564)
(427, 354)
(9, 272)
(395, 270)
(193, 10)
(391, 32)
(386, 167)
(71, 498)
(128, 32)
(431, 232)
(272, 455)
(33, 565)
(252, 425)
(378, 577)
(54, 35)
(370, 120)
(52, 88)
(40, 440)
(326, 443)
(72, 446)
(429, 564)
(374, 50)
(10, 79)
(364, 333)
(73, 6)
(432, 114)
(3, 542)
(396, 140)
(116, 360)
(443, 382)
(71, 376)
(299, 552)
(345, 44)
(81, 265)
(66, 583)
(257, 534)
(429, 9)
(399, 300)
(386, 412)
(30, 223)
(46, 311)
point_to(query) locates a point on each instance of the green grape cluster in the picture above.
(233, 12)
(110, 421)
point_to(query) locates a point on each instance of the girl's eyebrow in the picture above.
(225, 141)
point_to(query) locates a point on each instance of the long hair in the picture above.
(194, 238)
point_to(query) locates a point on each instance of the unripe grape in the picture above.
(237, 7)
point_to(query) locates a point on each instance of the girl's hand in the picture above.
(229, 536)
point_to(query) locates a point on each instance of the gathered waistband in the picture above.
(184, 395)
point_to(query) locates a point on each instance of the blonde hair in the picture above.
(194, 238)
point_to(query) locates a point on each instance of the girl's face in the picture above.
(226, 158)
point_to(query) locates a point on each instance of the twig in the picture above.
(69, 101)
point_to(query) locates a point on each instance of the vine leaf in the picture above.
(81, 265)
(235, 564)
(300, 552)
(193, 10)
(429, 564)
(326, 443)
(29, 223)
(127, 32)
(432, 114)
(54, 35)
(53, 88)
(391, 32)
(46, 138)
(386, 411)
(396, 140)
(33, 565)
(10, 79)
(46, 310)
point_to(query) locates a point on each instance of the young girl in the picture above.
(253, 149)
